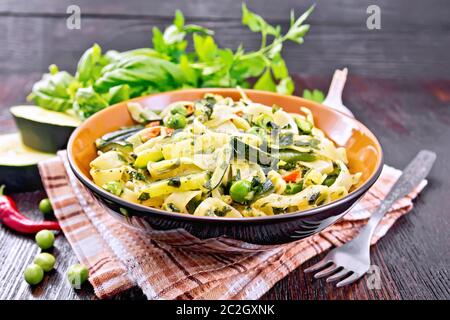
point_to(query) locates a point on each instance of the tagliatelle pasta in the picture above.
(223, 158)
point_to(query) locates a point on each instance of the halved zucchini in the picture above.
(42, 129)
(18, 164)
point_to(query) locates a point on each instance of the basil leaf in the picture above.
(90, 65)
(286, 86)
(265, 82)
(118, 93)
(52, 91)
(87, 102)
(205, 47)
(247, 68)
(255, 22)
(178, 21)
(141, 71)
(278, 67)
(315, 95)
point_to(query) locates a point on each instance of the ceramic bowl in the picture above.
(363, 150)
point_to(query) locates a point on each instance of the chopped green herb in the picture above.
(136, 175)
(174, 182)
(312, 199)
(278, 210)
(171, 207)
(144, 196)
(221, 212)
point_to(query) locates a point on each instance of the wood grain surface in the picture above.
(413, 40)
(399, 86)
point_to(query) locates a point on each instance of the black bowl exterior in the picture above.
(345, 131)
(279, 232)
(287, 228)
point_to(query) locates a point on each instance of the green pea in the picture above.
(115, 187)
(45, 206)
(293, 188)
(33, 274)
(179, 109)
(176, 121)
(45, 260)
(45, 239)
(239, 190)
(77, 274)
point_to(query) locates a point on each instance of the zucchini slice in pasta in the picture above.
(178, 201)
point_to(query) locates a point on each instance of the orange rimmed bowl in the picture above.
(363, 150)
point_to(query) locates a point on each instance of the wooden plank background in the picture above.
(399, 86)
(413, 41)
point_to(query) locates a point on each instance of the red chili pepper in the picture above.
(12, 218)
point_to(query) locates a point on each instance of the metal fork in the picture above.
(334, 96)
(351, 261)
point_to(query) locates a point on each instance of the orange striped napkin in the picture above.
(176, 265)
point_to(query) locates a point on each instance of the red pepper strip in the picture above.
(150, 133)
(152, 124)
(292, 176)
(190, 108)
(12, 218)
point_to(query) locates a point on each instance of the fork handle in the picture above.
(414, 173)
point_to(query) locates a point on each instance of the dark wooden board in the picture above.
(413, 258)
(413, 41)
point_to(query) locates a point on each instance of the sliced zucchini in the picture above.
(18, 164)
(141, 115)
(119, 135)
(190, 182)
(242, 150)
(42, 129)
(223, 163)
(122, 146)
(146, 156)
(166, 169)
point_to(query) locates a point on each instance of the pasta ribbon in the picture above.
(216, 157)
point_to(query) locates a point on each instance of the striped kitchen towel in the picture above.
(176, 265)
